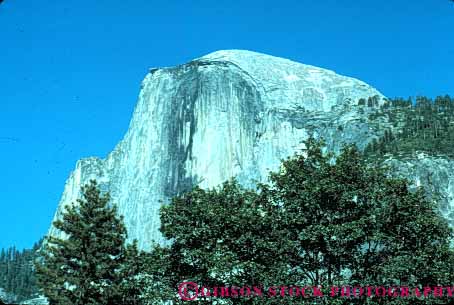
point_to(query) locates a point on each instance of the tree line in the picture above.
(17, 274)
(422, 124)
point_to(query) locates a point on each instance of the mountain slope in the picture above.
(229, 113)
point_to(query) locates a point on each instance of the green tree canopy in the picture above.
(84, 268)
(321, 220)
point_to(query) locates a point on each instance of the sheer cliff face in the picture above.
(230, 113)
(434, 173)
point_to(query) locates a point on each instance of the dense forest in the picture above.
(16, 272)
(423, 124)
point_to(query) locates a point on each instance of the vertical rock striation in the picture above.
(229, 113)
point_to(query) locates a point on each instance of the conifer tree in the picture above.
(83, 268)
(16, 272)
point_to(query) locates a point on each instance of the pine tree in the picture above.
(83, 268)
(16, 272)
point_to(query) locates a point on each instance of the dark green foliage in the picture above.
(85, 268)
(16, 272)
(317, 222)
(145, 276)
(142, 275)
(351, 218)
(426, 125)
(221, 237)
(131, 266)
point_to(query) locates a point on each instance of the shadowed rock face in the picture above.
(230, 113)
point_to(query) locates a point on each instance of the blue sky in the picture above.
(70, 71)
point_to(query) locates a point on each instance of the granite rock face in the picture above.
(434, 173)
(229, 113)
